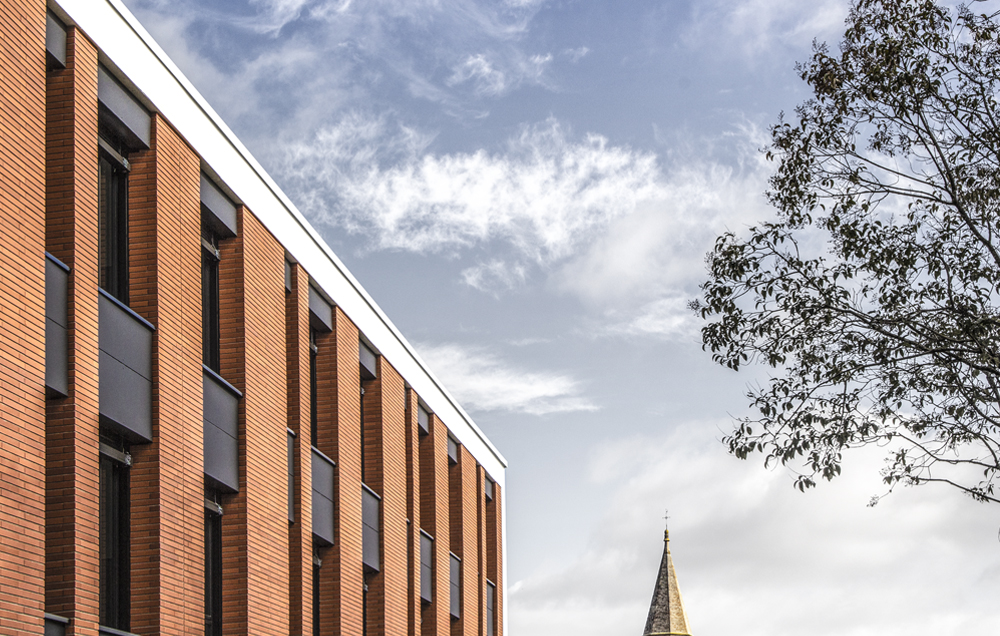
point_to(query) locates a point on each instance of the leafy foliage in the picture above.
(873, 293)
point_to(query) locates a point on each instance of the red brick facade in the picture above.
(22, 301)
(165, 289)
(50, 468)
(71, 514)
(300, 551)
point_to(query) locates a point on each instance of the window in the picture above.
(371, 538)
(456, 587)
(291, 475)
(363, 458)
(313, 415)
(423, 421)
(426, 567)
(210, 300)
(316, 564)
(113, 222)
(452, 451)
(491, 593)
(213, 569)
(114, 535)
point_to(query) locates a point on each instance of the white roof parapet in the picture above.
(127, 45)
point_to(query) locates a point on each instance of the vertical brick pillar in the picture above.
(300, 562)
(464, 539)
(385, 473)
(22, 311)
(255, 520)
(494, 552)
(481, 546)
(413, 603)
(434, 507)
(338, 390)
(71, 501)
(167, 492)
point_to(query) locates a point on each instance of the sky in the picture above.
(528, 189)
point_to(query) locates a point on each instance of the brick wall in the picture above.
(50, 447)
(385, 473)
(71, 504)
(413, 602)
(254, 526)
(434, 503)
(167, 492)
(339, 409)
(22, 302)
(494, 552)
(465, 539)
(300, 562)
(481, 547)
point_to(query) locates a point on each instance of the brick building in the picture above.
(208, 426)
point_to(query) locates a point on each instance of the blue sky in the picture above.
(528, 189)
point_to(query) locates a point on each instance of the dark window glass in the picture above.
(213, 573)
(313, 415)
(113, 227)
(291, 476)
(315, 599)
(370, 536)
(426, 568)
(114, 543)
(363, 462)
(491, 592)
(456, 587)
(210, 301)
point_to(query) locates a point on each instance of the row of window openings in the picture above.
(113, 265)
(113, 278)
(115, 546)
(113, 252)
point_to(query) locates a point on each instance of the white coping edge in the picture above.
(120, 36)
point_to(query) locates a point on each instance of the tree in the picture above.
(873, 293)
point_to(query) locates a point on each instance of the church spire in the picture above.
(666, 610)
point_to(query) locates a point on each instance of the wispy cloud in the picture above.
(609, 224)
(577, 54)
(668, 318)
(274, 14)
(645, 266)
(290, 67)
(484, 381)
(489, 79)
(495, 276)
(544, 196)
(753, 28)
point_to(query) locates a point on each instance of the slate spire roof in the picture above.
(666, 610)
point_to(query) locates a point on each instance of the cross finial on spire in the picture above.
(666, 524)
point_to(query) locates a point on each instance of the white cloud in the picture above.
(543, 197)
(640, 273)
(490, 80)
(745, 542)
(483, 381)
(667, 318)
(495, 276)
(274, 14)
(751, 28)
(615, 229)
(577, 54)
